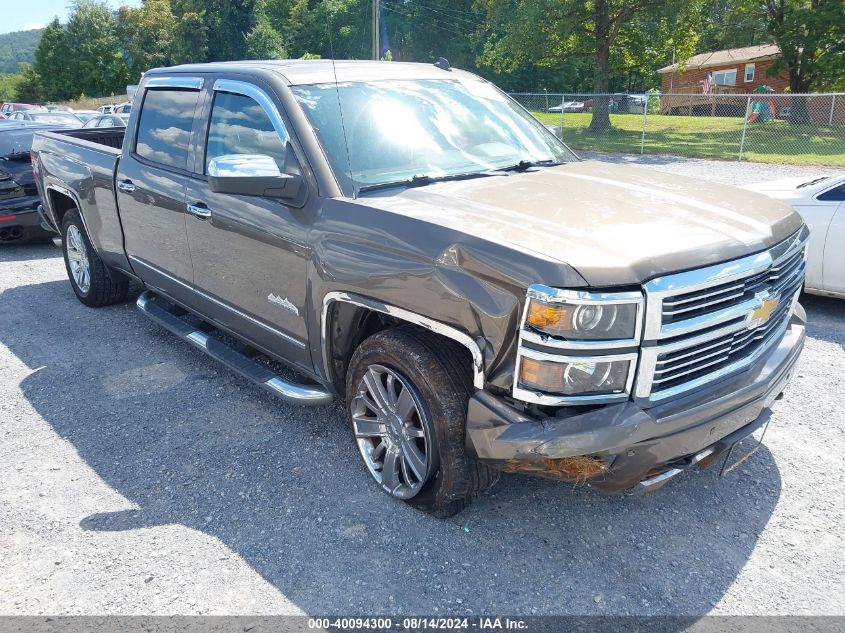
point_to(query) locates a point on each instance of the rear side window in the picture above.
(239, 125)
(834, 195)
(164, 129)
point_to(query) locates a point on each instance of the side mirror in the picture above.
(251, 175)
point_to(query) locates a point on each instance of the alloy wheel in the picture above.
(77, 257)
(392, 432)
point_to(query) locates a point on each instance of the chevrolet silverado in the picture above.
(408, 238)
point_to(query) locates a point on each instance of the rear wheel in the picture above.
(407, 395)
(92, 282)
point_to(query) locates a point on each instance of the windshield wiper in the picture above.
(812, 182)
(420, 180)
(525, 164)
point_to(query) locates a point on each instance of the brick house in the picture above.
(737, 71)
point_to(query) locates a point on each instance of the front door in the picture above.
(249, 253)
(151, 183)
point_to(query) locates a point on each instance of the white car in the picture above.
(821, 202)
(568, 106)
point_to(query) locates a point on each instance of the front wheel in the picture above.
(406, 399)
(92, 282)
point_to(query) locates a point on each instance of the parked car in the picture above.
(821, 202)
(481, 299)
(123, 108)
(7, 108)
(85, 115)
(568, 106)
(106, 109)
(107, 120)
(19, 197)
(45, 116)
(635, 104)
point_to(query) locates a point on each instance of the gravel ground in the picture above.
(139, 477)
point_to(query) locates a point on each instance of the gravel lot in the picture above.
(138, 477)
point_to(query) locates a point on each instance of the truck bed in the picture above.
(82, 164)
(111, 137)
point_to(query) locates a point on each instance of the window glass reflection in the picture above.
(164, 130)
(398, 129)
(240, 126)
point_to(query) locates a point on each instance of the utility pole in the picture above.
(376, 45)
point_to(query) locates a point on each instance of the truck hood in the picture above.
(614, 224)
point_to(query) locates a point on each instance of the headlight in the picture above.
(577, 347)
(583, 316)
(575, 376)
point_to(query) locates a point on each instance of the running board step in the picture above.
(311, 395)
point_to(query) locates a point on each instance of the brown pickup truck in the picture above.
(408, 238)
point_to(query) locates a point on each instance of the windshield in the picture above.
(55, 117)
(400, 129)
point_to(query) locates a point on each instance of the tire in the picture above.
(100, 286)
(430, 369)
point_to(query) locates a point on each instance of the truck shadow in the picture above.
(825, 316)
(186, 442)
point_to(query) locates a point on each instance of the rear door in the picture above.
(151, 180)
(249, 252)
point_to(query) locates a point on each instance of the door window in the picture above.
(239, 125)
(164, 129)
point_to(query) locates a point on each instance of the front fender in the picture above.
(466, 288)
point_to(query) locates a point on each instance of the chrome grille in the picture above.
(708, 323)
(690, 304)
(674, 368)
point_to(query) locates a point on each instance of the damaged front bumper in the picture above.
(624, 446)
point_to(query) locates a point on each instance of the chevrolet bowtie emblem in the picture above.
(761, 315)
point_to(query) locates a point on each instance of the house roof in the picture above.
(724, 58)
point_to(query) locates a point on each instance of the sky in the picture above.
(18, 15)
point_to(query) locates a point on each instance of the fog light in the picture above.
(575, 377)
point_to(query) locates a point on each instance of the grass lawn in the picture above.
(707, 137)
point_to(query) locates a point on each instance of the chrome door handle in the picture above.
(203, 213)
(126, 185)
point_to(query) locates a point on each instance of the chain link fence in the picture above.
(761, 127)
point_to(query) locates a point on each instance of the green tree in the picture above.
(147, 36)
(811, 36)
(29, 89)
(731, 24)
(190, 40)
(264, 42)
(612, 36)
(9, 83)
(426, 31)
(53, 63)
(96, 63)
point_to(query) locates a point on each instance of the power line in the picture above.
(393, 9)
(439, 14)
(416, 3)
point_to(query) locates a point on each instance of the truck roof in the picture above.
(318, 71)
